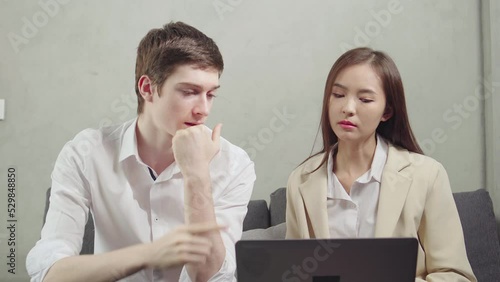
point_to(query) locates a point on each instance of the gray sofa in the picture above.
(475, 208)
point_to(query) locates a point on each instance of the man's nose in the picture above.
(202, 106)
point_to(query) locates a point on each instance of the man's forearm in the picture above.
(105, 267)
(199, 208)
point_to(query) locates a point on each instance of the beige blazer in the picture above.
(415, 201)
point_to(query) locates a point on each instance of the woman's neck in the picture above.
(354, 159)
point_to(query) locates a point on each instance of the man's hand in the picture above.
(184, 245)
(194, 148)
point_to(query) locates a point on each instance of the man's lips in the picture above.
(193, 123)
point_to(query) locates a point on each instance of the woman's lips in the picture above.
(347, 124)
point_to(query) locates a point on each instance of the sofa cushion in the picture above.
(480, 233)
(257, 215)
(277, 206)
(276, 232)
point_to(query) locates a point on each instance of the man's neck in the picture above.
(154, 147)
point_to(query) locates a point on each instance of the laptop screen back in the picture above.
(330, 260)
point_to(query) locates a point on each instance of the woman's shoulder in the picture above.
(308, 167)
(311, 163)
(415, 160)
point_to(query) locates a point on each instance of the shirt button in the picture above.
(157, 274)
(156, 219)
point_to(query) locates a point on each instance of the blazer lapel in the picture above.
(393, 191)
(313, 192)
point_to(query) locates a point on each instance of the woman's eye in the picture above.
(211, 96)
(336, 95)
(365, 100)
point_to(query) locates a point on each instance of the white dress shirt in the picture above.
(101, 170)
(353, 216)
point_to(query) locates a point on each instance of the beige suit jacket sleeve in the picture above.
(441, 236)
(292, 227)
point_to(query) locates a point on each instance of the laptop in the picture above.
(329, 260)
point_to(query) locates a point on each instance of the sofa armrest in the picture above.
(257, 215)
(480, 233)
(277, 206)
(276, 232)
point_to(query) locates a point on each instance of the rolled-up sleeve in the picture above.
(62, 233)
(225, 274)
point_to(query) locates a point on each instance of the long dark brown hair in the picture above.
(396, 129)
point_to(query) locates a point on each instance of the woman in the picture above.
(371, 178)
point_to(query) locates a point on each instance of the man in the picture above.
(168, 196)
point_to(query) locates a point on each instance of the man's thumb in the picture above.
(216, 133)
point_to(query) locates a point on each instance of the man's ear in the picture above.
(387, 114)
(146, 88)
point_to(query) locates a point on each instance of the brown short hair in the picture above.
(164, 49)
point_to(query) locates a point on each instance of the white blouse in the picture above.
(353, 216)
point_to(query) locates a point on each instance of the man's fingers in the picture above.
(194, 258)
(203, 249)
(203, 227)
(200, 241)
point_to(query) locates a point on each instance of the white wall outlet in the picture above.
(2, 109)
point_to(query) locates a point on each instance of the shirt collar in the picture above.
(376, 169)
(379, 159)
(129, 142)
(129, 148)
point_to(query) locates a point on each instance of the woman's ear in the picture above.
(387, 114)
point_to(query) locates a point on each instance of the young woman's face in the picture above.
(357, 104)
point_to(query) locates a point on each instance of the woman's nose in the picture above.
(349, 107)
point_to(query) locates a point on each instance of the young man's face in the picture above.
(184, 99)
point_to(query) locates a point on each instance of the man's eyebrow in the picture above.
(196, 85)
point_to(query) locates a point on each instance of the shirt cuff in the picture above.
(225, 274)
